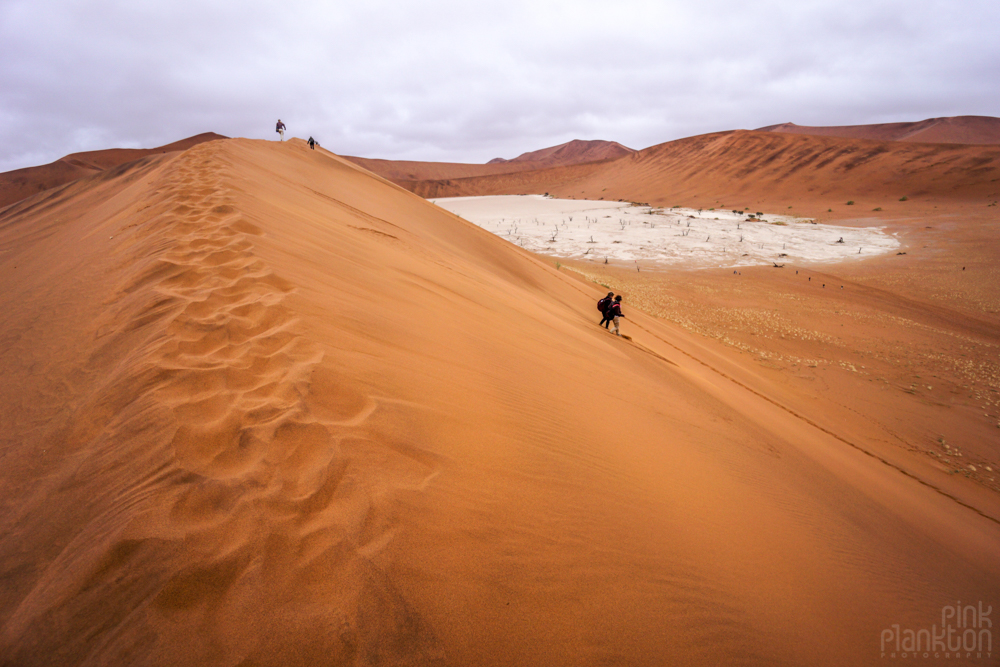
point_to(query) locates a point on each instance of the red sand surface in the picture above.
(261, 407)
(952, 130)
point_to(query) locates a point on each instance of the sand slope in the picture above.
(951, 130)
(752, 169)
(262, 407)
(20, 183)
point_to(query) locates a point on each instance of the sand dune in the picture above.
(759, 169)
(747, 153)
(572, 152)
(404, 172)
(262, 407)
(953, 130)
(20, 183)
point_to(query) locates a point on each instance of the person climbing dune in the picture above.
(615, 312)
(280, 129)
(603, 305)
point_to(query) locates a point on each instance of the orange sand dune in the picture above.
(753, 169)
(20, 183)
(953, 130)
(261, 407)
(572, 152)
(403, 172)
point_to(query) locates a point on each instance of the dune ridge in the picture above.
(20, 183)
(262, 407)
(572, 152)
(751, 168)
(949, 130)
(201, 376)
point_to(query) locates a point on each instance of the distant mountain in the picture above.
(952, 130)
(20, 183)
(572, 152)
(402, 171)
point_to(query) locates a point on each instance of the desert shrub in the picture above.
(877, 209)
(903, 198)
(850, 203)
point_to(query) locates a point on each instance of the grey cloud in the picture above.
(449, 80)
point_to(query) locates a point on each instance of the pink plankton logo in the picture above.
(966, 632)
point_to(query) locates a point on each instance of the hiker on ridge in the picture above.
(280, 129)
(615, 311)
(312, 143)
(603, 305)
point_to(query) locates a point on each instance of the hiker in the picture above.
(280, 129)
(603, 305)
(312, 143)
(615, 311)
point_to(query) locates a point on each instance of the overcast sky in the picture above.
(464, 81)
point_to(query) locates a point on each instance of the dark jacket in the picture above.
(615, 310)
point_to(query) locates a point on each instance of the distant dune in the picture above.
(261, 407)
(951, 130)
(573, 152)
(399, 171)
(20, 183)
(752, 167)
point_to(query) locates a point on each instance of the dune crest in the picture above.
(572, 152)
(218, 455)
(952, 130)
(20, 183)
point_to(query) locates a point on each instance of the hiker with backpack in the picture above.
(615, 312)
(603, 305)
